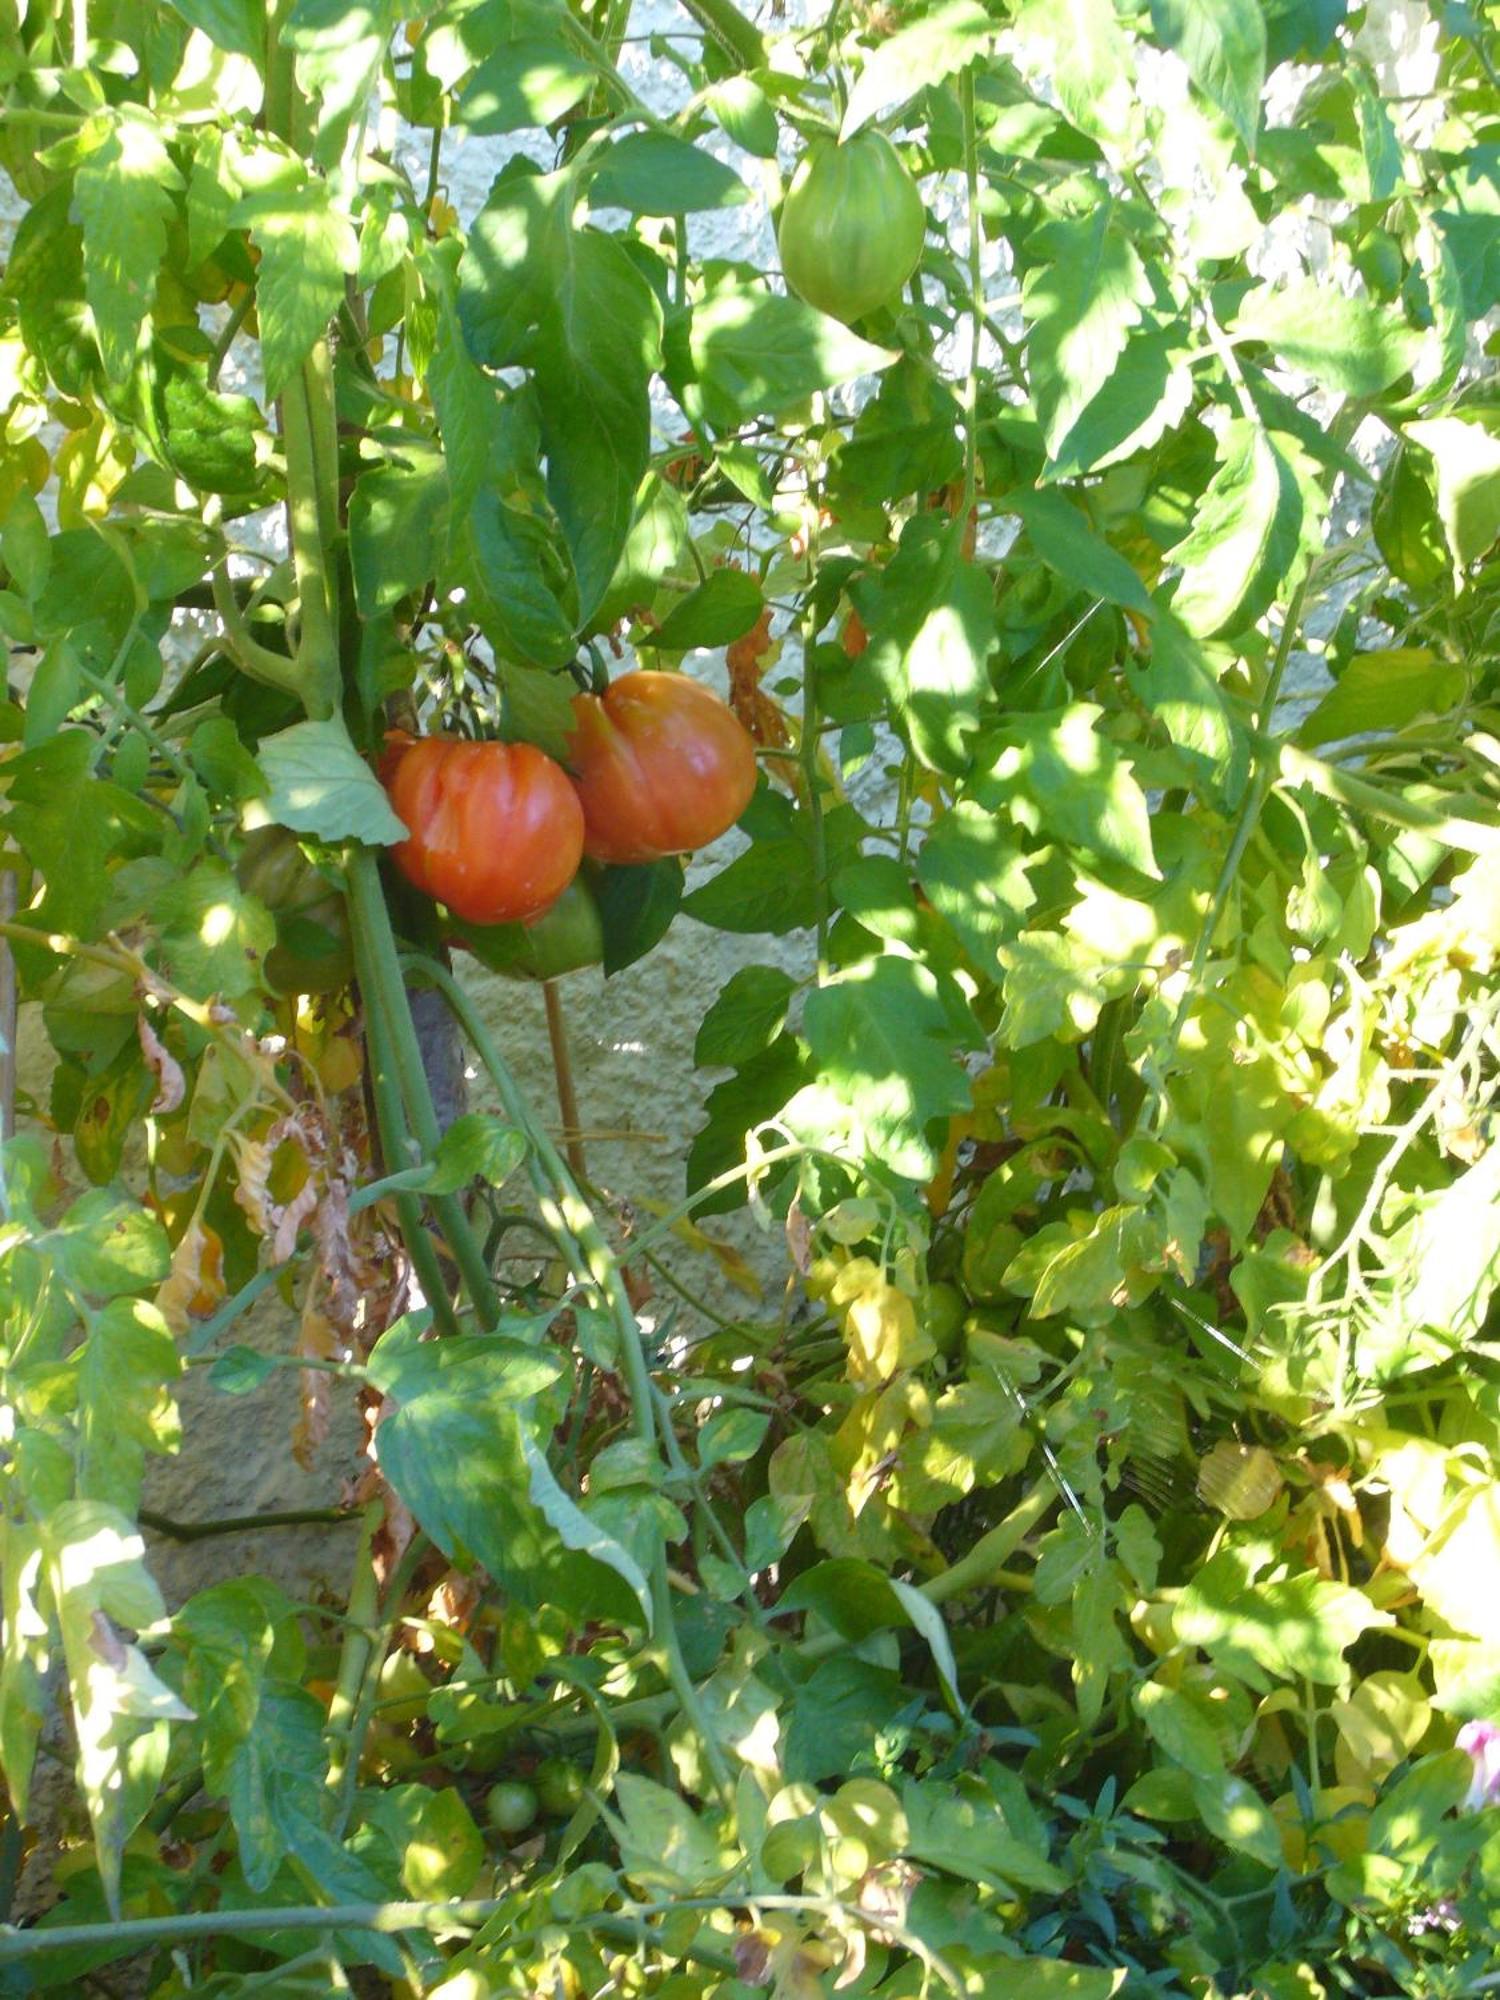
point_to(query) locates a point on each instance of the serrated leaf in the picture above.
(744, 111)
(1061, 772)
(1081, 301)
(1177, 683)
(915, 57)
(1349, 345)
(973, 872)
(931, 624)
(1223, 43)
(124, 194)
(526, 83)
(888, 1048)
(1244, 534)
(318, 783)
(1065, 541)
(1147, 392)
(1466, 459)
(339, 50)
(238, 26)
(1385, 690)
(724, 607)
(398, 522)
(1081, 50)
(476, 1146)
(751, 352)
(307, 247)
(571, 305)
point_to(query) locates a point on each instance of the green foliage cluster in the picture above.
(1086, 1582)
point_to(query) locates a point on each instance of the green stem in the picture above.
(312, 513)
(363, 1609)
(578, 1234)
(976, 297)
(386, 994)
(368, 1683)
(395, 1139)
(259, 662)
(234, 1524)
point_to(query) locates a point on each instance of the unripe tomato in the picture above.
(661, 766)
(511, 1806)
(404, 1688)
(563, 939)
(852, 225)
(312, 953)
(559, 1786)
(496, 830)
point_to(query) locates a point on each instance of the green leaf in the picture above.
(578, 1532)
(210, 440)
(1058, 771)
(757, 1091)
(476, 1146)
(963, 1834)
(108, 1245)
(636, 907)
(663, 1844)
(398, 522)
(772, 885)
(526, 83)
(1467, 462)
(124, 194)
(125, 1405)
(931, 620)
(745, 112)
(1081, 50)
(1385, 691)
(1349, 345)
(1244, 535)
(746, 1018)
(1082, 299)
(24, 1661)
(838, 1714)
(655, 173)
(570, 304)
(750, 352)
(319, 784)
(974, 875)
(915, 57)
(1182, 1727)
(1236, 1813)
(732, 1435)
(1300, 1625)
(339, 50)
(307, 248)
(98, 1580)
(1223, 43)
(1146, 393)
(237, 26)
(1177, 682)
(887, 1047)
(1065, 541)
(724, 607)
(239, 1371)
(214, 933)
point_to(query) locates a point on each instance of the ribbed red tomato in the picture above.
(661, 766)
(496, 829)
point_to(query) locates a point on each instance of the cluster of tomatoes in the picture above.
(497, 832)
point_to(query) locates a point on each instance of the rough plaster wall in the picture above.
(632, 1036)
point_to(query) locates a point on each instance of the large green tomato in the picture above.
(563, 939)
(852, 226)
(312, 953)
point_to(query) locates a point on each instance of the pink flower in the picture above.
(1482, 1741)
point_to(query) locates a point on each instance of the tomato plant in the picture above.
(661, 767)
(988, 1480)
(852, 225)
(494, 831)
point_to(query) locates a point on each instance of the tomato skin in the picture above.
(852, 225)
(563, 939)
(660, 764)
(496, 830)
(511, 1806)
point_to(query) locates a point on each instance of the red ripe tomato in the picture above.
(661, 765)
(496, 829)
